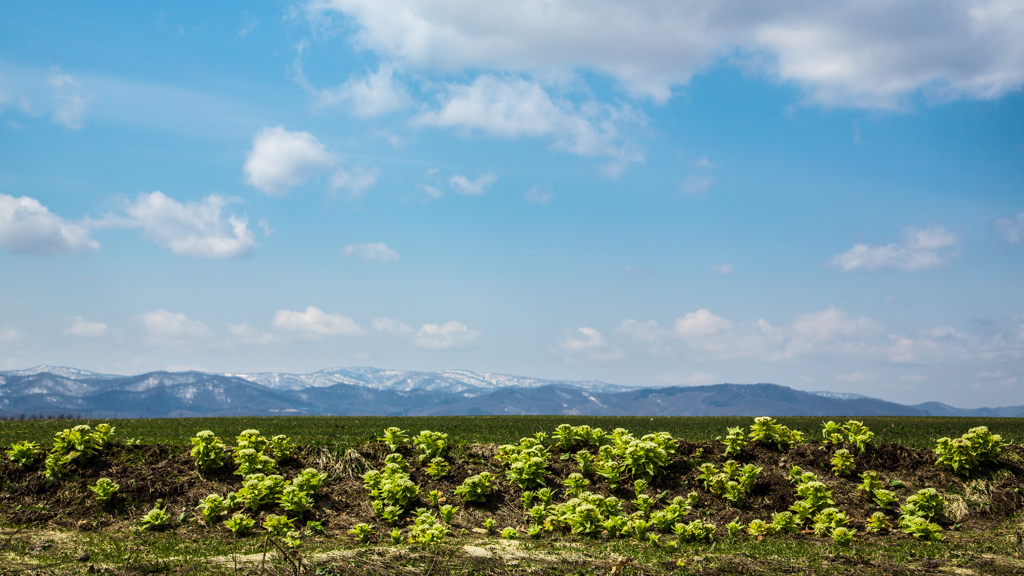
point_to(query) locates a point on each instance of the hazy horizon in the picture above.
(828, 198)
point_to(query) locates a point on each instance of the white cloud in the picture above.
(448, 335)
(391, 326)
(855, 378)
(538, 194)
(926, 249)
(315, 323)
(68, 103)
(583, 340)
(86, 329)
(280, 159)
(512, 107)
(464, 185)
(1011, 230)
(701, 323)
(649, 331)
(27, 227)
(376, 252)
(832, 323)
(356, 182)
(373, 95)
(174, 330)
(696, 184)
(430, 191)
(246, 334)
(188, 229)
(847, 53)
(722, 269)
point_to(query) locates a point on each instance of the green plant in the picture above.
(278, 526)
(395, 438)
(239, 524)
(758, 528)
(976, 447)
(490, 525)
(155, 519)
(766, 430)
(438, 468)
(574, 484)
(826, 521)
(842, 462)
(362, 532)
(585, 460)
(448, 512)
(695, 531)
(671, 514)
(832, 432)
(730, 481)
(527, 462)
(878, 523)
(104, 488)
(431, 444)
(309, 480)
(927, 504)
(534, 530)
(843, 536)
(476, 488)
(643, 504)
(294, 500)
(509, 533)
(397, 462)
(435, 497)
(920, 528)
(611, 472)
(870, 481)
(733, 528)
(314, 526)
(249, 461)
(24, 453)
(426, 530)
(211, 507)
(396, 536)
(259, 489)
(208, 450)
(784, 523)
(251, 439)
(639, 526)
(545, 495)
(282, 447)
(735, 440)
(858, 435)
(883, 498)
(647, 456)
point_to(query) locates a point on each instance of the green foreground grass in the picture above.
(119, 546)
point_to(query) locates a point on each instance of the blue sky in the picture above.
(825, 197)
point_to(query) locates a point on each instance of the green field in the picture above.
(349, 431)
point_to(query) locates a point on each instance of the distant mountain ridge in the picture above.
(46, 390)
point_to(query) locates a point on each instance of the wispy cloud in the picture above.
(926, 249)
(314, 323)
(374, 252)
(82, 327)
(464, 185)
(1011, 230)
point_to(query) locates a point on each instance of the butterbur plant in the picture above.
(448, 513)
(278, 526)
(977, 447)
(438, 468)
(431, 444)
(611, 472)
(104, 490)
(24, 453)
(585, 460)
(249, 461)
(211, 507)
(842, 462)
(490, 525)
(509, 533)
(575, 484)
(155, 519)
(920, 528)
(476, 488)
(766, 430)
(878, 523)
(239, 524)
(735, 440)
(208, 450)
(395, 438)
(309, 480)
(282, 447)
(362, 532)
(843, 536)
(435, 497)
(734, 528)
(758, 528)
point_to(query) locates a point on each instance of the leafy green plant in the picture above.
(259, 489)
(883, 498)
(920, 528)
(435, 497)
(695, 531)
(545, 495)
(842, 462)
(24, 453)
(239, 524)
(309, 480)
(832, 432)
(672, 513)
(784, 523)
(448, 512)
(249, 461)
(735, 440)
(395, 438)
(282, 447)
(509, 533)
(859, 435)
(294, 500)
(646, 457)
(878, 523)
(251, 439)
(975, 448)
(611, 472)
(731, 481)
(870, 481)
(526, 462)
(734, 528)
(396, 536)
(476, 488)
(534, 530)
(758, 528)
(826, 521)
(104, 488)
(927, 504)
(438, 468)
(390, 487)
(843, 536)
(155, 519)
(490, 525)
(585, 460)
(766, 430)
(211, 507)
(643, 504)
(208, 450)
(278, 526)
(314, 526)
(431, 444)
(574, 484)
(363, 532)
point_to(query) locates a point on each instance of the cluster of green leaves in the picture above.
(208, 450)
(282, 528)
(871, 487)
(732, 481)
(431, 445)
(766, 430)
(842, 462)
(74, 445)
(976, 447)
(426, 530)
(695, 531)
(919, 511)
(569, 437)
(24, 453)
(362, 532)
(239, 524)
(828, 520)
(392, 488)
(250, 454)
(104, 488)
(156, 519)
(853, 432)
(735, 440)
(587, 513)
(395, 438)
(438, 468)
(526, 462)
(476, 488)
(814, 495)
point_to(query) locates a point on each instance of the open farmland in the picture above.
(49, 525)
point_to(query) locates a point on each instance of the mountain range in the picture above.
(51, 391)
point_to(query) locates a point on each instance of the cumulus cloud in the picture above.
(1011, 230)
(196, 229)
(374, 252)
(648, 331)
(513, 107)
(356, 182)
(28, 227)
(280, 159)
(68, 103)
(375, 94)
(926, 249)
(848, 53)
(589, 343)
(82, 327)
(315, 323)
(464, 185)
(451, 334)
(246, 334)
(391, 326)
(174, 330)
